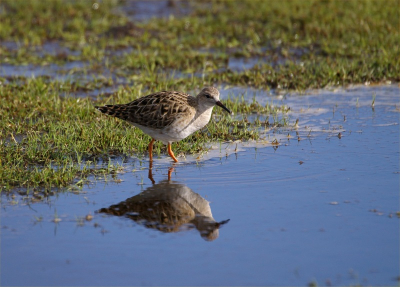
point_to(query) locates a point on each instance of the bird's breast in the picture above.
(184, 127)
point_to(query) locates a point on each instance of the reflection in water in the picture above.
(169, 207)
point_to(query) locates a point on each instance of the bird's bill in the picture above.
(222, 106)
(218, 224)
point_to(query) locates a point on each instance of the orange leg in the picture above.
(151, 172)
(171, 153)
(151, 149)
(170, 170)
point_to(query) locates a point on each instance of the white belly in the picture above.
(179, 129)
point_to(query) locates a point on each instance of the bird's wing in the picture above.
(157, 110)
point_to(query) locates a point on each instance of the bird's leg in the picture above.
(151, 172)
(170, 170)
(171, 153)
(151, 150)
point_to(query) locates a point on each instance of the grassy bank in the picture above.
(48, 140)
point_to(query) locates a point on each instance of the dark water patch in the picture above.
(240, 64)
(10, 45)
(271, 56)
(60, 72)
(16, 52)
(146, 10)
(82, 78)
(118, 51)
(55, 49)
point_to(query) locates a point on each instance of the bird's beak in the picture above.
(218, 224)
(225, 108)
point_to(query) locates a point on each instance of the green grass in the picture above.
(305, 44)
(71, 21)
(50, 138)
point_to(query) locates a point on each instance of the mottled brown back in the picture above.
(155, 111)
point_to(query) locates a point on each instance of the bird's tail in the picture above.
(118, 111)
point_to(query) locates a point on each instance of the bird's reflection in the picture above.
(169, 206)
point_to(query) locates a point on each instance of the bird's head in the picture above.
(209, 97)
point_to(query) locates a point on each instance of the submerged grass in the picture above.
(50, 138)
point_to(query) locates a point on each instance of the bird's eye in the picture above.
(208, 96)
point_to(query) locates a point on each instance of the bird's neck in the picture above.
(201, 109)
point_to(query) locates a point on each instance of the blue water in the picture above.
(322, 209)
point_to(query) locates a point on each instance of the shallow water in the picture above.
(142, 11)
(59, 73)
(318, 207)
